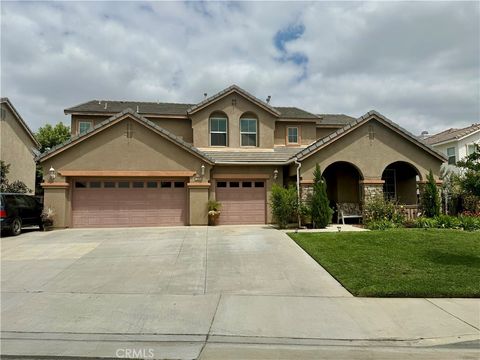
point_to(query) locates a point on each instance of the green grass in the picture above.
(400, 262)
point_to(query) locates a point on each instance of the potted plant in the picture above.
(47, 217)
(213, 212)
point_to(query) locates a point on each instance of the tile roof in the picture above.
(451, 134)
(175, 139)
(309, 150)
(5, 100)
(334, 119)
(278, 155)
(294, 113)
(109, 106)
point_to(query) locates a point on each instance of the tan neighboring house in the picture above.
(150, 164)
(17, 145)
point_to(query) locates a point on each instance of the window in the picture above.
(152, 184)
(451, 156)
(80, 184)
(292, 135)
(137, 184)
(179, 184)
(123, 184)
(218, 131)
(95, 184)
(470, 149)
(259, 184)
(221, 184)
(389, 187)
(248, 132)
(247, 184)
(109, 184)
(84, 126)
(234, 184)
(165, 184)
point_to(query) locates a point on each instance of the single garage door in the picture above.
(123, 203)
(243, 202)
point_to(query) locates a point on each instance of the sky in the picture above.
(418, 63)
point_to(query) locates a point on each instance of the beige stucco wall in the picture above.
(16, 149)
(200, 122)
(110, 149)
(198, 205)
(371, 156)
(94, 119)
(250, 170)
(179, 127)
(307, 132)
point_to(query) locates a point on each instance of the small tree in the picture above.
(470, 180)
(5, 186)
(49, 136)
(284, 205)
(321, 212)
(430, 197)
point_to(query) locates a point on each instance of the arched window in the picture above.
(218, 124)
(248, 130)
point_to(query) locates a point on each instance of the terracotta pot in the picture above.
(213, 219)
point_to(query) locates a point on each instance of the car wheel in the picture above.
(16, 226)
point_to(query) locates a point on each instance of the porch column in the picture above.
(57, 199)
(371, 189)
(197, 203)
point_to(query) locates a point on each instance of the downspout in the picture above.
(299, 165)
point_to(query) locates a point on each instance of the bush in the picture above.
(284, 203)
(469, 223)
(320, 211)
(426, 223)
(379, 209)
(448, 222)
(382, 225)
(430, 197)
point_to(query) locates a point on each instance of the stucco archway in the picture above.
(401, 182)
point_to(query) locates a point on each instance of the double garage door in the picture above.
(243, 201)
(121, 203)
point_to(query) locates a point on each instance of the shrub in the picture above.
(284, 203)
(469, 223)
(382, 224)
(320, 211)
(448, 222)
(430, 197)
(426, 223)
(385, 210)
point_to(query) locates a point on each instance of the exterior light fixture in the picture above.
(339, 228)
(202, 171)
(275, 174)
(52, 173)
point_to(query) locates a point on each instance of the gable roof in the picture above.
(452, 134)
(231, 89)
(6, 101)
(294, 113)
(321, 143)
(114, 119)
(334, 119)
(143, 107)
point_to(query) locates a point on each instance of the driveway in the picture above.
(179, 291)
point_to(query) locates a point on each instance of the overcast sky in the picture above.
(416, 63)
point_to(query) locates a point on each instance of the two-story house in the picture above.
(149, 164)
(18, 146)
(454, 143)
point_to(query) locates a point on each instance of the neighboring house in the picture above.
(18, 146)
(456, 144)
(148, 164)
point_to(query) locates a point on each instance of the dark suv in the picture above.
(18, 210)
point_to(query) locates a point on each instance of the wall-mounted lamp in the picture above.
(202, 171)
(275, 174)
(52, 173)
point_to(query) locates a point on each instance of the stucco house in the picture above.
(456, 143)
(18, 146)
(149, 164)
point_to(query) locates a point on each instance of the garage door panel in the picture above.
(122, 207)
(241, 205)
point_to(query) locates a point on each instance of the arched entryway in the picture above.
(343, 184)
(401, 183)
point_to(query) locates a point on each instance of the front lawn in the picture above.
(400, 262)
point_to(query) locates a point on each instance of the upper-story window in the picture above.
(292, 135)
(84, 126)
(451, 156)
(218, 130)
(470, 149)
(248, 130)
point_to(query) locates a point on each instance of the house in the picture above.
(134, 163)
(456, 144)
(18, 146)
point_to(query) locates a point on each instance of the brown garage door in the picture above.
(243, 202)
(122, 203)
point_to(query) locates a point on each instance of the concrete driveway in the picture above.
(182, 292)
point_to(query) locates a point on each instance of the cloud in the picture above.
(416, 62)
